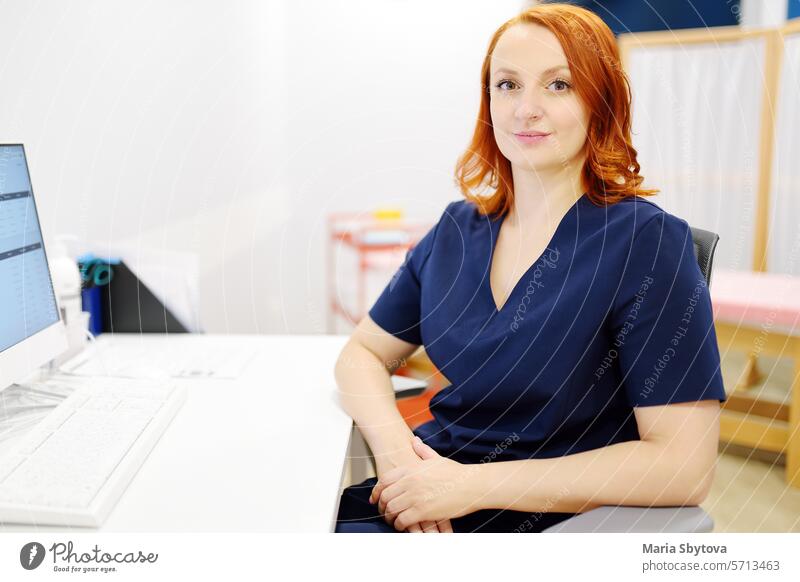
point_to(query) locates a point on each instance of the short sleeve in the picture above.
(398, 308)
(662, 320)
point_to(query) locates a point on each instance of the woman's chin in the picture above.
(543, 164)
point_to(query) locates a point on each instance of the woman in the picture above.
(568, 312)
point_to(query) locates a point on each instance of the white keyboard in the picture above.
(194, 360)
(73, 466)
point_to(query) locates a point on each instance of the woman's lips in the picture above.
(530, 139)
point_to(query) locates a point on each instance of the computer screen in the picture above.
(27, 299)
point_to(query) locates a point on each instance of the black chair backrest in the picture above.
(705, 243)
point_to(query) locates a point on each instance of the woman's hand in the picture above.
(435, 489)
(410, 459)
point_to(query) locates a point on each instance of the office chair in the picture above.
(613, 519)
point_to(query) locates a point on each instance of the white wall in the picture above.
(383, 99)
(231, 129)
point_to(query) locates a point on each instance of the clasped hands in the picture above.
(426, 494)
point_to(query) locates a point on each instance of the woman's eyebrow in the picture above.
(544, 73)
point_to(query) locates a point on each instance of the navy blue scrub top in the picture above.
(615, 314)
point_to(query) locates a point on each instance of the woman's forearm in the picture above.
(639, 473)
(367, 395)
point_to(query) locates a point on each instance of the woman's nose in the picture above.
(529, 106)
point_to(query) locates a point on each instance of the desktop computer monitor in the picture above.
(31, 331)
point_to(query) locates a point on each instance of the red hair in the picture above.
(610, 172)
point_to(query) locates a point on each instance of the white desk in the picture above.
(263, 453)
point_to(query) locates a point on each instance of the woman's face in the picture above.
(531, 91)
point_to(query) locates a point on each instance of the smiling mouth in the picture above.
(531, 139)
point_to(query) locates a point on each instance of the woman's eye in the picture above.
(501, 83)
(562, 85)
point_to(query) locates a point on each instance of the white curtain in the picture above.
(784, 229)
(696, 123)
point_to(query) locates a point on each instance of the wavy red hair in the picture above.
(610, 172)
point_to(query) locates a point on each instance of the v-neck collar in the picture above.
(494, 230)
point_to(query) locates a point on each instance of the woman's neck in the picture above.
(542, 197)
